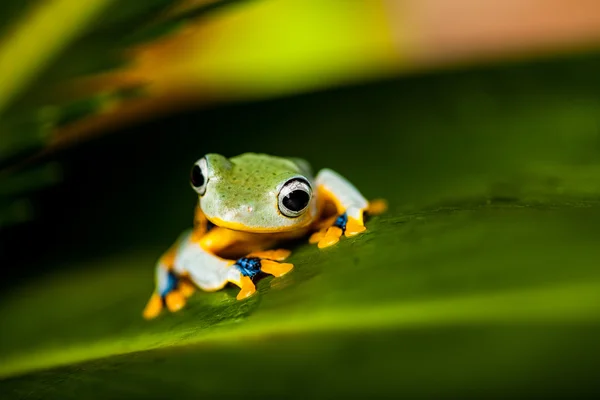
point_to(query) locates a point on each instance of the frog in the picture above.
(248, 205)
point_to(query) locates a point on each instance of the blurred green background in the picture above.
(481, 280)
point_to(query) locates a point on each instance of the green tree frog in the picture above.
(247, 206)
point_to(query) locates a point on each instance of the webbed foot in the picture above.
(172, 293)
(345, 224)
(275, 268)
(342, 225)
(247, 268)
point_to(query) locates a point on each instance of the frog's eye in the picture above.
(199, 176)
(294, 197)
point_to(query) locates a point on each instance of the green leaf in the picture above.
(414, 288)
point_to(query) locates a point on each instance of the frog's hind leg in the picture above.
(172, 288)
(166, 282)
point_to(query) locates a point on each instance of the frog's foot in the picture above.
(186, 287)
(342, 225)
(275, 268)
(354, 227)
(277, 255)
(326, 238)
(251, 266)
(247, 288)
(247, 268)
(171, 292)
(154, 306)
(175, 300)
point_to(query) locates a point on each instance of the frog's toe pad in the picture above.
(279, 254)
(154, 307)
(353, 227)
(316, 237)
(247, 288)
(274, 268)
(186, 288)
(175, 300)
(331, 237)
(377, 206)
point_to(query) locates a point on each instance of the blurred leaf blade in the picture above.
(44, 175)
(24, 43)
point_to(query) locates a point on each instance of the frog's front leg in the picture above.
(246, 268)
(350, 206)
(195, 260)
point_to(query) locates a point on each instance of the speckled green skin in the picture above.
(242, 191)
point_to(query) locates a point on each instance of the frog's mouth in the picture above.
(238, 226)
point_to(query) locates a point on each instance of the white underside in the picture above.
(206, 270)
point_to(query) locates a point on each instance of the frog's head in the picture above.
(255, 192)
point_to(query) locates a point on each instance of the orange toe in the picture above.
(275, 268)
(186, 288)
(353, 227)
(327, 241)
(377, 206)
(279, 254)
(316, 237)
(247, 288)
(175, 300)
(331, 237)
(153, 307)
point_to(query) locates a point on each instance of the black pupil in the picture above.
(296, 200)
(197, 177)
